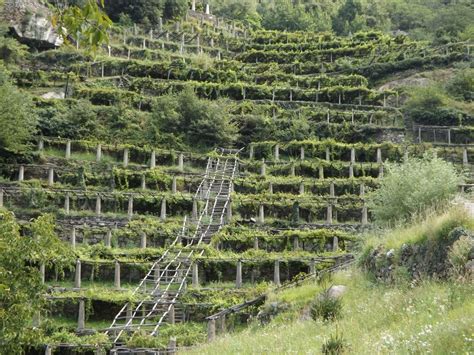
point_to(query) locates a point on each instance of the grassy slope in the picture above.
(431, 317)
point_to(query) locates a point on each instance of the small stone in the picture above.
(336, 291)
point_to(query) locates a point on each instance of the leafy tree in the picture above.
(412, 187)
(175, 8)
(284, 15)
(461, 86)
(21, 289)
(345, 16)
(139, 11)
(17, 116)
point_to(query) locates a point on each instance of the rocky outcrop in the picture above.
(30, 21)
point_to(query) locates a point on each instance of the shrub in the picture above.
(459, 254)
(336, 344)
(412, 187)
(326, 307)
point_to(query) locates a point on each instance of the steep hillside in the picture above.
(197, 167)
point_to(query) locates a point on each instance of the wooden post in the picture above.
(143, 240)
(117, 275)
(238, 277)
(73, 237)
(125, 157)
(276, 273)
(195, 274)
(21, 173)
(211, 330)
(77, 275)
(81, 317)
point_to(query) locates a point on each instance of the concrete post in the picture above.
(173, 185)
(108, 239)
(255, 243)
(117, 275)
(193, 5)
(171, 315)
(364, 215)
(129, 312)
(208, 9)
(331, 190)
(335, 244)
(172, 346)
(1, 197)
(195, 210)
(379, 156)
(143, 182)
(50, 177)
(195, 274)
(130, 207)
(261, 214)
(302, 153)
(263, 168)
(465, 160)
(73, 237)
(143, 240)
(251, 153)
(277, 152)
(321, 172)
(351, 171)
(98, 154)
(381, 171)
(163, 209)
(312, 266)
(296, 243)
(42, 269)
(21, 173)
(328, 155)
(181, 162)
(270, 188)
(229, 211)
(353, 156)
(66, 203)
(362, 190)
(157, 272)
(222, 324)
(276, 273)
(68, 149)
(98, 206)
(48, 350)
(211, 330)
(125, 157)
(292, 170)
(153, 159)
(81, 317)
(238, 277)
(302, 188)
(77, 275)
(40, 144)
(329, 214)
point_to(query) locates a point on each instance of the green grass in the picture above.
(376, 319)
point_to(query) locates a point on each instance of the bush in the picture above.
(326, 307)
(461, 86)
(459, 255)
(412, 187)
(334, 345)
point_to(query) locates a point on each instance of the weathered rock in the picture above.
(336, 291)
(53, 95)
(30, 20)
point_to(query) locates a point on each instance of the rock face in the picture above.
(30, 21)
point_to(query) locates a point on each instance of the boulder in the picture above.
(336, 291)
(30, 21)
(53, 95)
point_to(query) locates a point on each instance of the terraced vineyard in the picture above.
(169, 247)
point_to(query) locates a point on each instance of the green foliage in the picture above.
(412, 187)
(191, 121)
(21, 290)
(334, 345)
(326, 307)
(461, 86)
(17, 117)
(459, 255)
(86, 24)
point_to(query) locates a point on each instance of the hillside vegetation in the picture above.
(174, 174)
